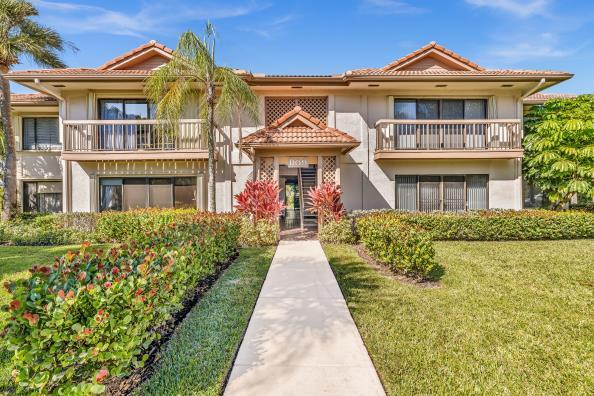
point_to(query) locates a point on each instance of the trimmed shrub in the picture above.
(91, 314)
(402, 247)
(133, 224)
(262, 233)
(39, 229)
(342, 231)
(503, 225)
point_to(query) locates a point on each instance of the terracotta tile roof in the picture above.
(32, 99)
(77, 72)
(135, 51)
(482, 73)
(541, 97)
(432, 46)
(298, 127)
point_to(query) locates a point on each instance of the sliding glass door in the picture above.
(450, 193)
(141, 192)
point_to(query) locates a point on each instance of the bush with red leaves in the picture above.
(260, 201)
(326, 201)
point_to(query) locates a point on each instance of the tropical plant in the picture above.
(559, 148)
(21, 36)
(193, 74)
(325, 201)
(260, 201)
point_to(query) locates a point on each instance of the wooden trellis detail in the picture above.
(276, 107)
(329, 169)
(266, 171)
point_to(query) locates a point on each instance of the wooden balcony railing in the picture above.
(454, 135)
(135, 139)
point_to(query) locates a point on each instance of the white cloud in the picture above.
(80, 18)
(520, 8)
(524, 48)
(274, 27)
(391, 7)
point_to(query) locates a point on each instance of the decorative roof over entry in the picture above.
(297, 127)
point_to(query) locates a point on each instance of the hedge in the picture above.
(262, 233)
(402, 247)
(342, 231)
(91, 314)
(503, 225)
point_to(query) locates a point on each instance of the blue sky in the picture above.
(325, 37)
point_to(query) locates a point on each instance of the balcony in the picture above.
(448, 139)
(93, 140)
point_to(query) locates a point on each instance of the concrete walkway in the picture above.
(301, 339)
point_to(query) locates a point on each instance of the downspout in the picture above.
(534, 89)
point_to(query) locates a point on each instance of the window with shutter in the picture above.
(41, 133)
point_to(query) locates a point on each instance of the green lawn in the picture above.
(15, 262)
(197, 359)
(509, 318)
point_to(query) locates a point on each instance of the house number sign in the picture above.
(298, 163)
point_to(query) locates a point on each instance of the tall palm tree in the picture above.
(20, 36)
(193, 74)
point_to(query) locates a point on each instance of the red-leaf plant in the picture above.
(260, 200)
(325, 201)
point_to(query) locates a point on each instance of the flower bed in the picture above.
(402, 247)
(90, 315)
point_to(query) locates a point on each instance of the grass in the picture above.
(509, 318)
(15, 262)
(199, 356)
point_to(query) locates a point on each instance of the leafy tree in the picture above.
(20, 36)
(559, 148)
(193, 74)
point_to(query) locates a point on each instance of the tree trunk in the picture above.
(9, 199)
(212, 202)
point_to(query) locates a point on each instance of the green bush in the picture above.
(91, 314)
(121, 226)
(40, 229)
(342, 231)
(402, 247)
(503, 225)
(262, 233)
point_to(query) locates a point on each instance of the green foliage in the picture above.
(133, 224)
(200, 354)
(401, 246)
(559, 148)
(47, 229)
(91, 314)
(503, 225)
(260, 233)
(342, 231)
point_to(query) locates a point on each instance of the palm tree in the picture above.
(20, 36)
(193, 74)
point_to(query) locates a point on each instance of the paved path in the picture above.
(301, 339)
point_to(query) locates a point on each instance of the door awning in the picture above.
(298, 129)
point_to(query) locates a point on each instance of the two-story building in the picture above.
(429, 131)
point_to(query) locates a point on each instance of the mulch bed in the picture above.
(386, 271)
(118, 386)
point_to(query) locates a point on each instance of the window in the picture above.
(141, 192)
(452, 193)
(435, 136)
(41, 133)
(125, 137)
(440, 109)
(534, 197)
(42, 196)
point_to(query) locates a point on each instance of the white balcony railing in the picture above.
(132, 135)
(448, 135)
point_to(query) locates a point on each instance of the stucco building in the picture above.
(430, 131)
